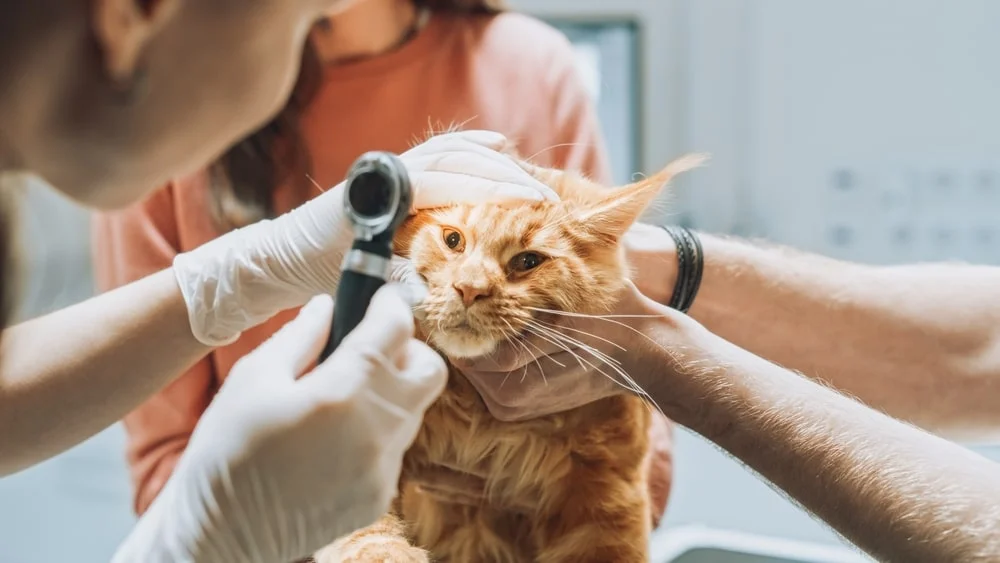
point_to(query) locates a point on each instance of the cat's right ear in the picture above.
(611, 215)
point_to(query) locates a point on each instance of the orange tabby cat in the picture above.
(566, 488)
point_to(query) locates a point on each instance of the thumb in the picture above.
(386, 326)
(290, 350)
(424, 375)
(417, 381)
(457, 140)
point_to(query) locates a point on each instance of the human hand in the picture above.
(246, 276)
(652, 254)
(580, 359)
(281, 464)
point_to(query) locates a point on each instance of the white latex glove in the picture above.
(280, 466)
(247, 276)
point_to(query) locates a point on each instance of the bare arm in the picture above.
(68, 375)
(895, 491)
(921, 342)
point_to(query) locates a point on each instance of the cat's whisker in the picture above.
(613, 363)
(540, 351)
(611, 319)
(585, 333)
(561, 346)
(520, 341)
(626, 381)
(315, 183)
(586, 316)
(565, 342)
(575, 342)
(560, 145)
(568, 340)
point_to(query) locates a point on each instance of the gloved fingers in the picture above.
(386, 326)
(412, 379)
(510, 356)
(475, 162)
(552, 384)
(385, 329)
(297, 344)
(392, 427)
(458, 139)
(438, 188)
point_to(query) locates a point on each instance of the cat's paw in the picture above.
(373, 550)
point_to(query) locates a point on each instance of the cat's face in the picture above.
(495, 272)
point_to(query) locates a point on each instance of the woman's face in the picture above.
(170, 86)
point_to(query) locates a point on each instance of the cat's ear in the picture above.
(612, 214)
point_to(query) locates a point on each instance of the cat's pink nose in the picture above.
(471, 292)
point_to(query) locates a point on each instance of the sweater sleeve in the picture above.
(129, 245)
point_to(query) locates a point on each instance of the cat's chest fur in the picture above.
(522, 460)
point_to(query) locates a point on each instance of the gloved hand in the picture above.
(590, 361)
(247, 276)
(279, 466)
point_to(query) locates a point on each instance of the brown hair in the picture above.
(245, 178)
(12, 272)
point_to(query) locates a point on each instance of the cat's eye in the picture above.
(452, 239)
(526, 261)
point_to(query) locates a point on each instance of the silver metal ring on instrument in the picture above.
(366, 263)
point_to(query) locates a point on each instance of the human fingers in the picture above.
(387, 324)
(550, 384)
(458, 139)
(508, 356)
(488, 183)
(400, 370)
(297, 344)
(413, 379)
(395, 401)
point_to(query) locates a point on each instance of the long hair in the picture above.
(244, 179)
(12, 272)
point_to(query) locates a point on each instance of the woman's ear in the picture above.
(123, 30)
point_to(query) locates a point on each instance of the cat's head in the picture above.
(494, 271)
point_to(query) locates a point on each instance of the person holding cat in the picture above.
(374, 76)
(917, 342)
(74, 111)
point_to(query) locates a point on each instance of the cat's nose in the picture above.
(471, 292)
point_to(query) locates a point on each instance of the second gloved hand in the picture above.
(247, 276)
(281, 465)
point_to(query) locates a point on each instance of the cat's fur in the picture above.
(582, 472)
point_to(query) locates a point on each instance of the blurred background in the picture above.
(861, 129)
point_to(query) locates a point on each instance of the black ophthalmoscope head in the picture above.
(377, 200)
